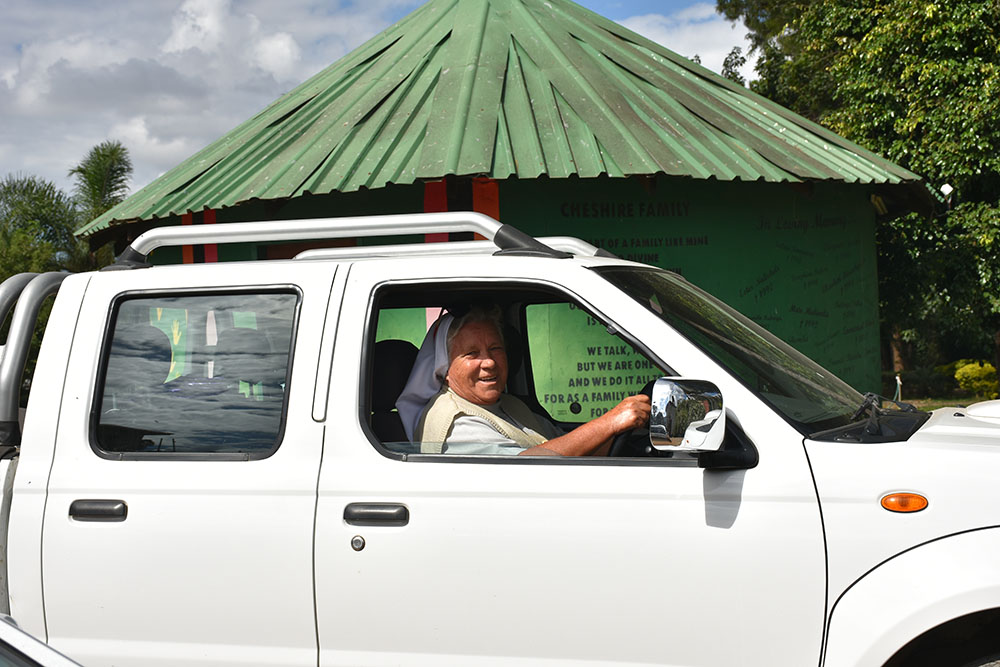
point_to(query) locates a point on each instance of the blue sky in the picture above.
(166, 77)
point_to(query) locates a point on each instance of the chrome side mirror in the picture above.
(687, 416)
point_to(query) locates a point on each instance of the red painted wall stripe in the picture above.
(435, 201)
(486, 198)
(187, 252)
(211, 249)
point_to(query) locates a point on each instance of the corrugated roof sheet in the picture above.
(504, 88)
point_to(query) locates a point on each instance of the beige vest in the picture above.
(447, 406)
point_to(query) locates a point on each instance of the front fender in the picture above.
(912, 593)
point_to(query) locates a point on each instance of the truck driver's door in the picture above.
(450, 560)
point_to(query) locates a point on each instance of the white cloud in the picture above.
(702, 11)
(147, 147)
(696, 30)
(231, 39)
(198, 24)
(277, 54)
(31, 81)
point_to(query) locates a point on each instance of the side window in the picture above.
(560, 368)
(580, 370)
(195, 374)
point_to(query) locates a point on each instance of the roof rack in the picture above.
(563, 243)
(507, 239)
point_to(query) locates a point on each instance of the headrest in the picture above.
(513, 348)
(392, 363)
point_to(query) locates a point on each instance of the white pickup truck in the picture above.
(210, 472)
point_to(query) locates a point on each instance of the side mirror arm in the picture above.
(737, 452)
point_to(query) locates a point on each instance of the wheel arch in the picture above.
(920, 595)
(957, 642)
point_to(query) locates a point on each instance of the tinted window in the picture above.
(196, 374)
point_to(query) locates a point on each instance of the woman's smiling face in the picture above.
(477, 368)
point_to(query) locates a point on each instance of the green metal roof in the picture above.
(503, 88)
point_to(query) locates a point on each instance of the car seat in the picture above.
(390, 369)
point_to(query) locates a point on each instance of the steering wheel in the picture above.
(625, 440)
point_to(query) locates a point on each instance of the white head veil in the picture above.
(427, 376)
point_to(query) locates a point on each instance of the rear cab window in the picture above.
(195, 374)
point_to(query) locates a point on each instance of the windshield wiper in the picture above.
(872, 402)
(881, 424)
(872, 405)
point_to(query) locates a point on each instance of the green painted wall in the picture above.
(797, 259)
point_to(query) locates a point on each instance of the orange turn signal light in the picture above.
(904, 502)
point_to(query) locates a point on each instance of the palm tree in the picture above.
(102, 178)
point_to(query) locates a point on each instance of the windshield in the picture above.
(810, 397)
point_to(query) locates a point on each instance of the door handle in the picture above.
(98, 510)
(376, 514)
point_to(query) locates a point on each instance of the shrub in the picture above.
(949, 369)
(979, 378)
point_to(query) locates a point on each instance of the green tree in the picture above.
(789, 72)
(732, 64)
(36, 235)
(102, 178)
(919, 82)
(770, 22)
(101, 182)
(36, 225)
(37, 221)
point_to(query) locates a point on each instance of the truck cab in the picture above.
(211, 471)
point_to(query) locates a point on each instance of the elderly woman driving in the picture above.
(454, 399)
